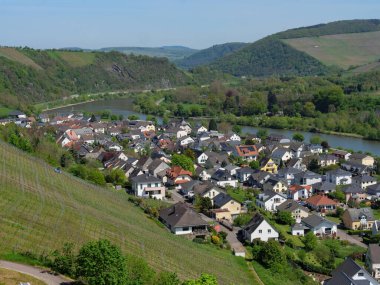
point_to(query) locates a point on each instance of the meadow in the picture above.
(40, 210)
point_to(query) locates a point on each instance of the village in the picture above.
(248, 187)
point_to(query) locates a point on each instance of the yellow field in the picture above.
(76, 59)
(14, 54)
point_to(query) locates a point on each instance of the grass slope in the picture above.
(15, 55)
(208, 55)
(40, 210)
(343, 50)
(10, 277)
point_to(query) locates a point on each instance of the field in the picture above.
(40, 210)
(14, 54)
(344, 50)
(10, 277)
(76, 59)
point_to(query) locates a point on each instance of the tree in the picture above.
(184, 161)
(64, 260)
(298, 137)
(93, 119)
(205, 279)
(189, 153)
(237, 129)
(116, 177)
(285, 218)
(271, 254)
(203, 204)
(328, 99)
(262, 134)
(339, 195)
(310, 241)
(315, 140)
(313, 165)
(212, 125)
(272, 101)
(166, 278)
(138, 271)
(325, 144)
(254, 164)
(101, 263)
(133, 117)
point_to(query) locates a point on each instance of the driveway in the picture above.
(344, 236)
(39, 273)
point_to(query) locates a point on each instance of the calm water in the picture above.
(124, 107)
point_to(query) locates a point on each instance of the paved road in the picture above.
(42, 274)
(344, 236)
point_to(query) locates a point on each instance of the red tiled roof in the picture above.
(319, 200)
(176, 171)
(246, 150)
(295, 187)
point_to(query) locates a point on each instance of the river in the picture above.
(123, 106)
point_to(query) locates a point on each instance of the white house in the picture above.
(148, 186)
(184, 141)
(233, 137)
(270, 200)
(339, 177)
(201, 129)
(281, 154)
(181, 133)
(259, 228)
(319, 226)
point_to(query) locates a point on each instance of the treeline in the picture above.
(102, 263)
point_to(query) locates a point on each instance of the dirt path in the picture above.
(39, 273)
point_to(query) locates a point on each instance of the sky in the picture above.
(193, 23)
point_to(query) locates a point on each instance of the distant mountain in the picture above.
(276, 54)
(172, 53)
(208, 55)
(32, 76)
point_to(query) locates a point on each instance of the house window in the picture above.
(269, 231)
(185, 229)
(260, 231)
(149, 185)
(156, 185)
(361, 274)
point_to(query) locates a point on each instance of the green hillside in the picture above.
(40, 210)
(171, 52)
(30, 76)
(343, 50)
(208, 55)
(274, 55)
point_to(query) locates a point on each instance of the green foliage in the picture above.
(329, 99)
(212, 126)
(202, 204)
(254, 164)
(184, 161)
(271, 254)
(101, 263)
(298, 137)
(242, 220)
(91, 174)
(65, 260)
(310, 241)
(339, 195)
(166, 278)
(116, 177)
(205, 279)
(315, 140)
(285, 218)
(262, 134)
(138, 271)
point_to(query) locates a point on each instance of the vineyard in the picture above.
(40, 210)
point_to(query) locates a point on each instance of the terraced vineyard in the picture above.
(40, 210)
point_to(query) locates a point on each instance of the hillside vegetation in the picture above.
(30, 76)
(273, 56)
(343, 50)
(41, 210)
(170, 52)
(208, 55)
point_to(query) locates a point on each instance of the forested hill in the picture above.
(208, 55)
(29, 76)
(272, 55)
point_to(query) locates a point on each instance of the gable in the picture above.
(264, 226)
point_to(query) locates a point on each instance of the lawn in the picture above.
(333, 219)
(40, 210)
(10, 277)
(4, 111)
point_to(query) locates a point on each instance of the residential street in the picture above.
(36, 272)
(344, 236)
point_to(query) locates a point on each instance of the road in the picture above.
(39, 273)
(344, 236)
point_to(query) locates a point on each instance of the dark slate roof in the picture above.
(374, 250)
(313, 221)
(352, 189)
(221, 175)
(145, 178)
(339, 172)
(268, 194)
(203, 187)
(324, 186)
(290, 205)
(188, 186)
(253, 223)
(355, 214)
(307, 174)
(245, 170)
(221, 199)
(372, 189)
(155, 163)
(364, 178)
(181, 215)
(298, 227)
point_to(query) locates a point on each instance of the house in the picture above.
(281, 155)
(257, 179)
(296, 148)
(376, 228)
(212, 158)
(342, 154)
(363, 181)
(315, 148)
(278, 138)
(307, 178)
(201, 130)
(374, 190)
(185, 141)
(16, 114)
(327, 160)
(177, 175)
(339, 177)
(321, 203)
(275, 184)
(157, 167)
(299, 192)
(223, 178)
(350, 273)
(259, 228)
(233, 137)
(354, 192)
(296, 163)
(246, 152)
(288, 174)
(298, 229)
(231, 169)
(324, 187)
(363, 159)
(268, 165)
(146, 185)
(183, 220)
(225, 202)
(270, 200)
(319, 226)
(356, 168)
(358, 219)
(206, 190)
(244, 173)
(297, 211)
(373, 260)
